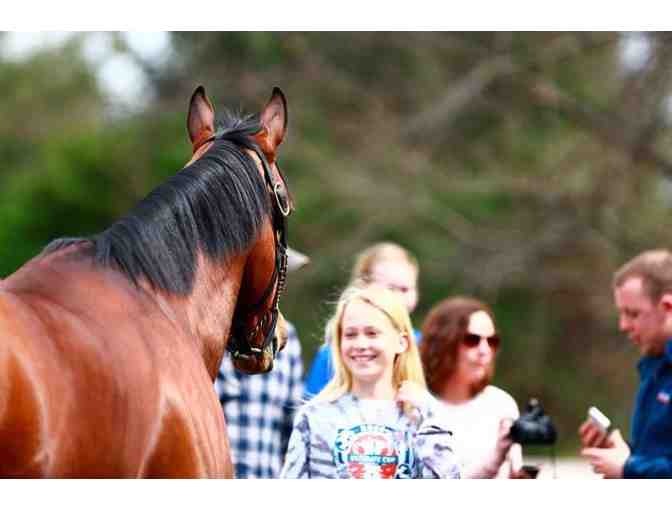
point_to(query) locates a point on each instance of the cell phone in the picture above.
(598, 418)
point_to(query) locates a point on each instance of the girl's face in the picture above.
(369, 343)
(398, 276)
(475, 362)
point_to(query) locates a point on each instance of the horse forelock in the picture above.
(215, 206)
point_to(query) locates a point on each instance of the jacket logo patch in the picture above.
(663, 397)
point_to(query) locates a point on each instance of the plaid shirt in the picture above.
(259, 410)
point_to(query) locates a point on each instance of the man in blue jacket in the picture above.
(643, 296)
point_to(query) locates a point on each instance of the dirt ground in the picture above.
(565, 468)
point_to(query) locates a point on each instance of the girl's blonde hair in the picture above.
(407, 365)
(373, 255)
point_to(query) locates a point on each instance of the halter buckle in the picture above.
(282, 200)
(254, 351)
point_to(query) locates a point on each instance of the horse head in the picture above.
(258, 329)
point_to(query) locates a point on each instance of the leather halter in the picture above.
(240, 341)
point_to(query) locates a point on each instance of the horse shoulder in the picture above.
(22, 417)
(178, 451)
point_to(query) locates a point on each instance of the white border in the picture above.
(336, 15)
(328, 494)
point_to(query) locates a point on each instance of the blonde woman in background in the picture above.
(387, 265)
(375, 418)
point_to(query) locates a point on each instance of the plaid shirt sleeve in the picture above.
(295, 385)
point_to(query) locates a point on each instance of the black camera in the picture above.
(533, 427)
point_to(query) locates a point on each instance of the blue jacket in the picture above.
(651, 437)
(321, 371)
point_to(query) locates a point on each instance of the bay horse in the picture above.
(109, 345)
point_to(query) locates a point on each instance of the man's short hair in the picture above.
(654, 267)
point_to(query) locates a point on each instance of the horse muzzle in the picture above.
(260, 360)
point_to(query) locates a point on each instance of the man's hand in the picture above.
(609, 461)
(593, 436)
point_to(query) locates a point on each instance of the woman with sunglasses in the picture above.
(458, 350)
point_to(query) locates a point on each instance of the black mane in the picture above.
(216, 206)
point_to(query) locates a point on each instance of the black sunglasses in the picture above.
(472, 340)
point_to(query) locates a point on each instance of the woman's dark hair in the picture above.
(443, 329)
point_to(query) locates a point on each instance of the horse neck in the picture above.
(207, 312)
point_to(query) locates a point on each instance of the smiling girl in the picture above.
(375, 419)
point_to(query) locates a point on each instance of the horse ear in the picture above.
(201, 117)
(273, 120)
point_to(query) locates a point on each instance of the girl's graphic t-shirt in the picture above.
(354, 438)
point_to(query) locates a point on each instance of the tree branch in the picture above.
(605, 127)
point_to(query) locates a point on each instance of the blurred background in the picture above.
(521, 168)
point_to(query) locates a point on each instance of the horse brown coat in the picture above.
(103, 378)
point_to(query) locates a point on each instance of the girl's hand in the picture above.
(413, 394)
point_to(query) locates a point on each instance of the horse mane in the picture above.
(215, 206)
